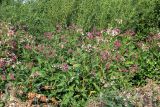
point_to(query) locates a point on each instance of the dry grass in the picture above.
(9, 98)
(146, 96)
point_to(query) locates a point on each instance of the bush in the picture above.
(42, 15)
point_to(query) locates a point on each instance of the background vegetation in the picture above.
(43, 15)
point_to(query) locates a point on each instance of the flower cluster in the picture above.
(117, 44)
(63, 66)
(104, 55)
(113, 32)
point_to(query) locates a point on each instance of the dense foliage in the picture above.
(43, 15)
(76, 50)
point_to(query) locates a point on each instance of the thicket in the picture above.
(44, 15)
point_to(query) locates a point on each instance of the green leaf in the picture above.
(129, 62)
(96, 86)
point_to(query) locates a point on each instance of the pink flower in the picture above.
(104, 55)
(2, 63)
(65, 67)
(3, 77)
(115, 32)
(11, 33)
(118, 57)
(157, 36)
(98, 33)
(130, 32)
(117, 44)
(14, 44)
(28, 47)
(14, 58)
(12, 76)
(90, 35)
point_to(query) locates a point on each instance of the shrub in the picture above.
(42, 15)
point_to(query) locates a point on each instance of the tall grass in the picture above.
(43, 15)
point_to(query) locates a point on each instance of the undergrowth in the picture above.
(77, 53)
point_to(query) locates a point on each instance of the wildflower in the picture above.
(90, 35)
(115, 32)
(117, 44)
(104, 55)
(3, 77)
(98, 34)
(11, 33)
(107, 66)
(28, 47)
(2, 63)
(130, 32)
(65, 67)
(118, 57)
(14, 58)
(89, 48)
(12, 76)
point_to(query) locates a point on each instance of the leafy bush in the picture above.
(42, 15)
